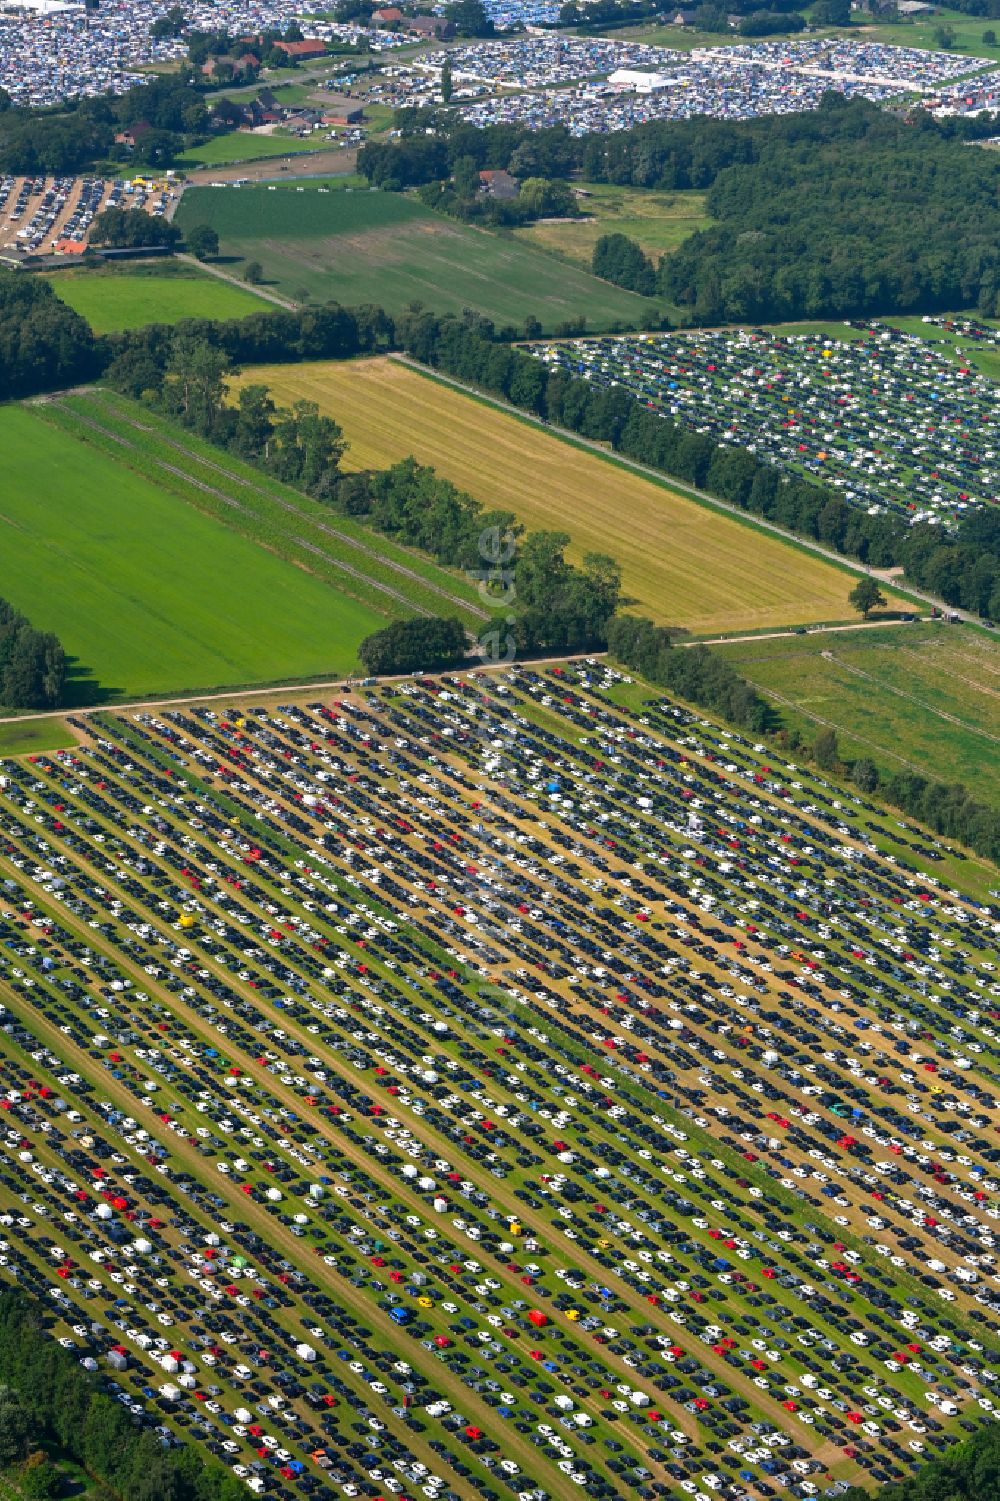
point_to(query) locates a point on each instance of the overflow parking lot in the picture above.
(564, 1077)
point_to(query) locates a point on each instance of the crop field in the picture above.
(887, 418)
(658, 221)
(926, 697)
(147, 593)
(363, 246)
(113, 300)
(683, 564)
(384, 575)
(491, 1113)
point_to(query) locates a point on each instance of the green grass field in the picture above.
(658, 221)
(123, 298)
(245, 146)
(968, 32)
(22, 737)
(360, 246)
(147, 594)
(921, 696)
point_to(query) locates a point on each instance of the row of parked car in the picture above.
(406, 1097)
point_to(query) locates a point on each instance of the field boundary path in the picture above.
(234, 281)
(666, 480)
(343, 685)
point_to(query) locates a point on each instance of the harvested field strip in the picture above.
(683, 564)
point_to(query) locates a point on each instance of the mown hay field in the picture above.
(683, 563)
(657, 221)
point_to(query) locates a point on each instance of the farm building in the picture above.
(302, 51)
(498, 184)
(430, 26)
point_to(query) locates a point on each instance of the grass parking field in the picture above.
(148, 594)
(891, 418)
(297, 1023)
(362, 246)
(921, 696)
(683, 563)
(658, 221)
(128, 298)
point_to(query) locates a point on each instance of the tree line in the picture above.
(561, 607)
(45, 346)
(32, 663)
(962, 567)
(558, 606)
(847, 210)
(51, 1401)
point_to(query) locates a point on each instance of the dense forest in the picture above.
(837, 221)
(44, 344)
(842, 211)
